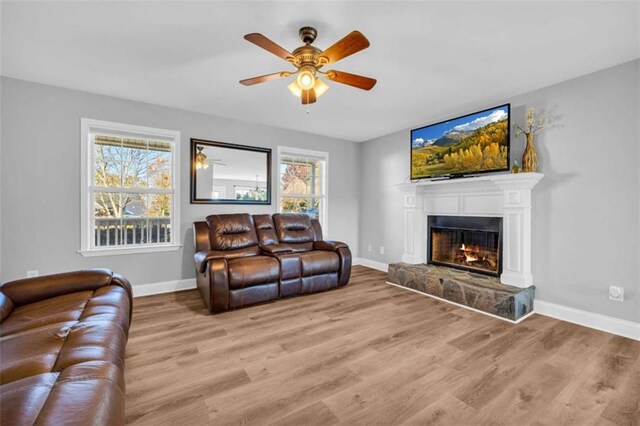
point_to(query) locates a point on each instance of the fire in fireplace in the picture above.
(465, 242)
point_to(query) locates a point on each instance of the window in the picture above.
(130, 194)
(249, 192)
(303, 183)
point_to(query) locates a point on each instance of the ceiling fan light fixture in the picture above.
(306, 79)
(294, 88)
(201, 160)
(319, 86)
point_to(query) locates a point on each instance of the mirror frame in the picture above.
(196, 200)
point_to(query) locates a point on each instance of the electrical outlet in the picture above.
(616, 293)
(34, 273)
(369, 248)
(381, 250)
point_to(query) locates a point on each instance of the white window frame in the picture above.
(320, 155)
(87, 127)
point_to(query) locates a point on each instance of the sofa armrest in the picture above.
(344, 256)
(30, 290)
(203, 257)
(275, 249)
(213, 284)
(201, 236)
(329, 245)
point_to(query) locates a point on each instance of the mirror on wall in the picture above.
(225, 173)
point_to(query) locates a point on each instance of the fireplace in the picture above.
(466, 242)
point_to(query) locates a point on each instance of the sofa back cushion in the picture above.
(266, 229)
(31, 290)
(317, 229)
(295, 230)
(234, 232)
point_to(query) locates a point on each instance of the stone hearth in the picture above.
(481, 292)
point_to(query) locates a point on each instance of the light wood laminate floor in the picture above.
(371, 353)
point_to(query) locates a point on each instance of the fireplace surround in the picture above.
(506, 196)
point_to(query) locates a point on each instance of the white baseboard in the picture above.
(384, 267)
(163, 287)
(600, 322)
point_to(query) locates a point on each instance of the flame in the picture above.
(468, 256)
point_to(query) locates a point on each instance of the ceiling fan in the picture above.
(309, 60)
(202, 162)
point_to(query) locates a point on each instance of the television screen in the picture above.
(474, 143)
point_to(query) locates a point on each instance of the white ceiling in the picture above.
(431, 59)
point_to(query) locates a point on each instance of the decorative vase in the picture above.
(530, 156)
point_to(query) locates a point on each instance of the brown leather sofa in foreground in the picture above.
(62, 343)
(243, 259)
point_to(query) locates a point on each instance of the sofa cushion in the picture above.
(232, 231)
(23, 399)
(322, 282)
(109, 303)
(62, 349)
(295, 230)
(251, 295)
(54, 348)
(251, 271)
(319, 262)
(54, 334)
(266, 229)
(87, 393)
(31, 352)
(56, 310)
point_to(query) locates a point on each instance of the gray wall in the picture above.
(586, 215)
(586, 219)
(40, 175)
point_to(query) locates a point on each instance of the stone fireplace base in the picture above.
(480, 292)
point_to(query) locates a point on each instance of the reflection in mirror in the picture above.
(229, 174)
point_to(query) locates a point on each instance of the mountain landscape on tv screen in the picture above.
(473, 143)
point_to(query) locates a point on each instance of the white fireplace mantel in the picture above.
(502, 195)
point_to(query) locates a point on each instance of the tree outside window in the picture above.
(302, 185)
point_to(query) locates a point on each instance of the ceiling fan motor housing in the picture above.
(307, 55)
(308, 34)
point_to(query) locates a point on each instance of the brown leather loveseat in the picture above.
(62, 345)
(243, 259)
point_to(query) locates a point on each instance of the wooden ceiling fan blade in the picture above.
(359, 81)
(352, 43)
(268, 45)
(308, 96)
(264, 78)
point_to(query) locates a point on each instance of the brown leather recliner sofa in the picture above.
(62, 345)
(243, 259)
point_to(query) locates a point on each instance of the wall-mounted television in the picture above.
(471, 144)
